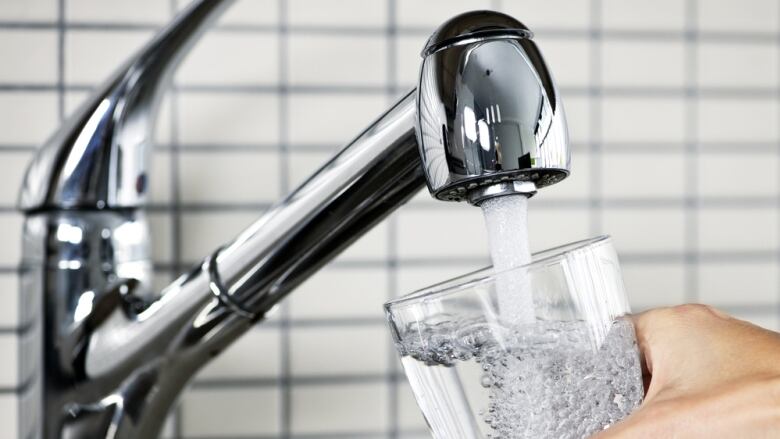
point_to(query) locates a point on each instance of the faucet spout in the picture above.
(485, 121)
(357, 188)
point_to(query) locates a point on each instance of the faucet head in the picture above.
(489, 118)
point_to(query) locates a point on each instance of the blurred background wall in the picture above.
(673, 111)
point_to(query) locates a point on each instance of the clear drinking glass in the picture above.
(568, 371)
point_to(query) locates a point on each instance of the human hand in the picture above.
(707, 375)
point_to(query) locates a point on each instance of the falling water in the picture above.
(506, 219)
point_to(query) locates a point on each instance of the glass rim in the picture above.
(486, 274)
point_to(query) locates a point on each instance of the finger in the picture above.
(645, 423)
(646, 368)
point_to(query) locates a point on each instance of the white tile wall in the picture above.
(140, 11)
(643, 119)
(343, 408)
(340, 13)
(653, 64)
(726, 64)
(339, 60)
(668, 15)
(726, 15)
(673, 114)
(27, 117)
(37, 66)
(213, 60)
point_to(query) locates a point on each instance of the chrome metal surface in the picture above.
(99, 158)
(106, 357)
(488, 109)
(517, 187)
(475, 26)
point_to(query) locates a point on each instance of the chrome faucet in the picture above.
(104, 356)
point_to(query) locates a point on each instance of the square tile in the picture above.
(9, 415)
(736, 64)
(230, 412)
(735, 230)
(641, 15)
(737, 120)
(160, 177)
(635, 119)
(337, 60)
(578, 118)
(408, 59)
(651, 285)
(10, 239)
(732, 120)
(249, 12)
(341, 292)
(652, 64)
(117, 11)
(553, 227)
(726, 15)
(20, 64)
(255, 355)
(569, 60)
(17, 126)
(29, 10)
(338, 13)
(13, 166)
(353, 113)
(339, 409)
(413, 277)
(161, 229)
(10, 291)
(430, 14)
(540, 14)
(228, 118)
(229, 177)
(454, 231)
(203, 232)
(634, 175)
(730, 284)
(645, 230)
(758, 175)
(232, 59)
(91, 56)
(343, 350)
(9, 373)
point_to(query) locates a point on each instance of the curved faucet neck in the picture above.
(99, 158)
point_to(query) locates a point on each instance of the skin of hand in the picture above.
(707, 376)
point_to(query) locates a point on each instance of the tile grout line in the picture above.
(596, 204)
(392, 235)
(285, 394)
(61, 59)
(691, 209)
(758, 93)
(767, 38)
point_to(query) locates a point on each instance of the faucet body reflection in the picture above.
(104, 356)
